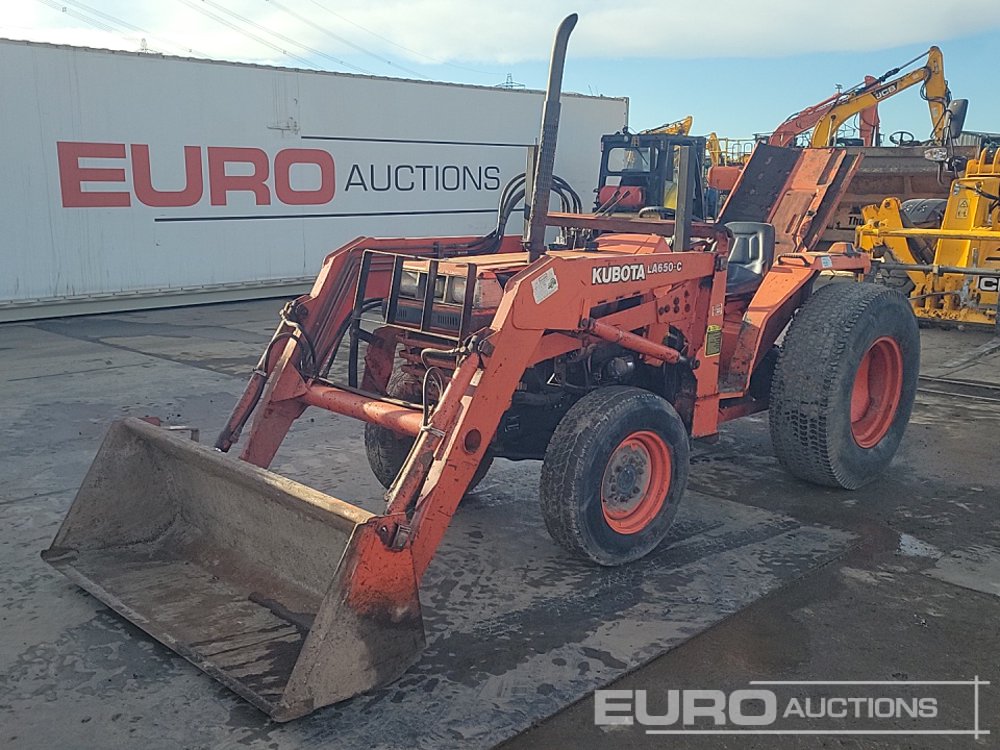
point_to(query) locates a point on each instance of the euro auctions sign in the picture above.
(873, 707)
(119, 175)
(256, 168)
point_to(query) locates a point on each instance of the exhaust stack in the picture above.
(541, 186)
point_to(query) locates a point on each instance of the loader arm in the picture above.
(313, 326)
(526, 330)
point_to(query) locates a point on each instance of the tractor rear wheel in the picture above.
(614, 474)
(387, 451)
(844, 384)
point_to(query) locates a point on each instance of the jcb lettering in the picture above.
(884, 92)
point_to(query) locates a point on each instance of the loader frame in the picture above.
(547, 311)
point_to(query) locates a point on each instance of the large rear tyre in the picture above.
(613, 475)
(387, 451)
(844, 384)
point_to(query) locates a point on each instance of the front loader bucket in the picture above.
(284, 594)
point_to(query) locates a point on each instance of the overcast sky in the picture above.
(740, 69)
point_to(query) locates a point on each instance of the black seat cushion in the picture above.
(751, 256)
(741, 280)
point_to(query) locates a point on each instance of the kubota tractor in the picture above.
(602, 359)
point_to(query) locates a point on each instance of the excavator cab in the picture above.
(639, 170)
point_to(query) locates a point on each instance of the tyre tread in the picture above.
(802, 391)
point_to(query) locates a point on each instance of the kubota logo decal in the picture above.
(617, 274)
(631, 271)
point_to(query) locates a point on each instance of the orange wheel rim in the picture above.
(636, 482)
(878, 386)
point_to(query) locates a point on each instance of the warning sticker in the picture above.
(963, 209)
(826, 261)
(713, 341)
(545, 286)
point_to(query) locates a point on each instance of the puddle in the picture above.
(910, 546)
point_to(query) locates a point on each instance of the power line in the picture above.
(131, 27)
(284, 38)
(249, 34)
(79, 16)
(394, 44)
(92, 16)
(340, 39)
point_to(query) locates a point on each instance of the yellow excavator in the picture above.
(728, 152)
(901, 170)
(944, 253)
(828, 116)
(678, 127)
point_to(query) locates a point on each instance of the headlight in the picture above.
(938, 153)
(410, 286)
(456, 290)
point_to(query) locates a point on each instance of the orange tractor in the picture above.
(602, 356)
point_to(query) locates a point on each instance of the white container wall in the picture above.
(140, 181)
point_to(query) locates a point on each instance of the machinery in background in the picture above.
(726, 159)
(830, 115)
(638, 173)
(897, 170)
(943, 253)
(728, 152)
(678, 127)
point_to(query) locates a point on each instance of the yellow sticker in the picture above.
(713, 341)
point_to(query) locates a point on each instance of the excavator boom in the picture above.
(679, 127)
(828, 116)
(936, 92)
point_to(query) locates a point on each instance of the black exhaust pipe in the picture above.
(545, 163)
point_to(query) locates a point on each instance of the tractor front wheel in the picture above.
(614, 474)
(387, 451)
(844, 384)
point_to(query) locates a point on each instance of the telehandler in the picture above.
(602, 357)
(943, 253)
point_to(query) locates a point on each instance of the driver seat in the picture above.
(751, 256)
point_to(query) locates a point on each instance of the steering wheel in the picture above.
(902, 138)
(656, 212)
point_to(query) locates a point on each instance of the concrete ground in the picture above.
(916, 597)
